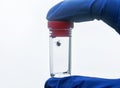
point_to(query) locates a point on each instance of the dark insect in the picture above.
(58, 43)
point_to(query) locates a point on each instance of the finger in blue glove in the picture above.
(82, 82)
(87, 10)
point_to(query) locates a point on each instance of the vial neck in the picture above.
(60, 33)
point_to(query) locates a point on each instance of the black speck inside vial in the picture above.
(58, 43)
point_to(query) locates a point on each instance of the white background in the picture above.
(24, 46)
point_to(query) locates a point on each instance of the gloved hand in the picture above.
(82, 82)
(79, 11)
(86, 10)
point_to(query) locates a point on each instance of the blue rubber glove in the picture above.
(82, 82)
(87, 10)
(80, 11)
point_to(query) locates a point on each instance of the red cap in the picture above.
(60, 28)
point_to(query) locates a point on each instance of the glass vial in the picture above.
(60, 48)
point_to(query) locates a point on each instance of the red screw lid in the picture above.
(60, 28)
(61, 25)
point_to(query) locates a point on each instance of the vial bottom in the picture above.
(60, 74)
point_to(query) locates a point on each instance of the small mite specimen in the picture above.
(58, 43)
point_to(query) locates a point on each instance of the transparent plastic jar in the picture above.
(60, 48)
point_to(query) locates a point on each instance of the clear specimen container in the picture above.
(60, 48)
